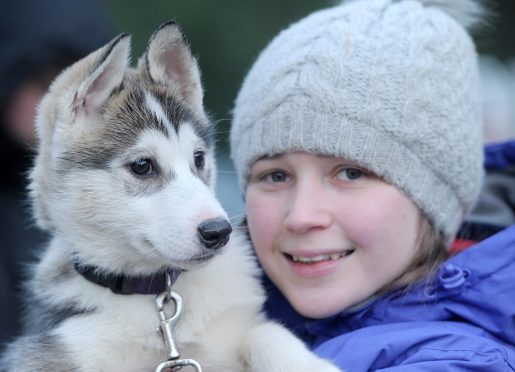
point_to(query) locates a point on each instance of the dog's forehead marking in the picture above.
(157, 109)
(131, 114)
(181, 140)
(173, 148)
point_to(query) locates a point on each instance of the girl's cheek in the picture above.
(389, 219)
(263, 218)
(257, 212)
(259, 202)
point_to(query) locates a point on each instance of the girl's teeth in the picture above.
(324, 257)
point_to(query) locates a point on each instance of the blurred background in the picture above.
(40, 37)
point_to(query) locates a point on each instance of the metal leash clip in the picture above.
(166, 327)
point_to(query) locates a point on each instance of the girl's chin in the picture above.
(317, 303)
(317, 310)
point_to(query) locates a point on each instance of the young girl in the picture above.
(357, 142)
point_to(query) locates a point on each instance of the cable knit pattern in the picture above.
(392, 85)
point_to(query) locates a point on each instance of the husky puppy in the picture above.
(124, 180)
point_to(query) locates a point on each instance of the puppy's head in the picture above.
(125, 171)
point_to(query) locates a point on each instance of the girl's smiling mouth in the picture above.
(318, 258)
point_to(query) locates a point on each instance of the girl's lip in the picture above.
(313, 258)
(306, 255)
(315, 266)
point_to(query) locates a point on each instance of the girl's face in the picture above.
(327, 232)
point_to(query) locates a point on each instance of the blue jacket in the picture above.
(463, 321)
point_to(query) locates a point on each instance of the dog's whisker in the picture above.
(221, 120)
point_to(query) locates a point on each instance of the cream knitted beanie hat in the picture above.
(391, 85)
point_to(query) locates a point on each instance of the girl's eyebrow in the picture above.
(271, 157)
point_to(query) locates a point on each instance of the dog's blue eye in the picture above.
(142, 167)
(199, 158)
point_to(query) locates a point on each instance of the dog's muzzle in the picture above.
(214, 233)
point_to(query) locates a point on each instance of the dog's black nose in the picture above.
(214, 233)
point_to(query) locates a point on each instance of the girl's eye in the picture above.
(350, 174)
(199, 159)
(142, 167)
(276, 177)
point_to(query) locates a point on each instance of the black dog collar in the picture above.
(123, 284)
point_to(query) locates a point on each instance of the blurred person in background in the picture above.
(37, 40)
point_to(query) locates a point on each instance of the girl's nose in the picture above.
(308, 207)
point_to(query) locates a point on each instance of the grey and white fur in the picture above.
(123, 179)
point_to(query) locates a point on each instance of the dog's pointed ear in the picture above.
(169, 61)
(106, 71)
